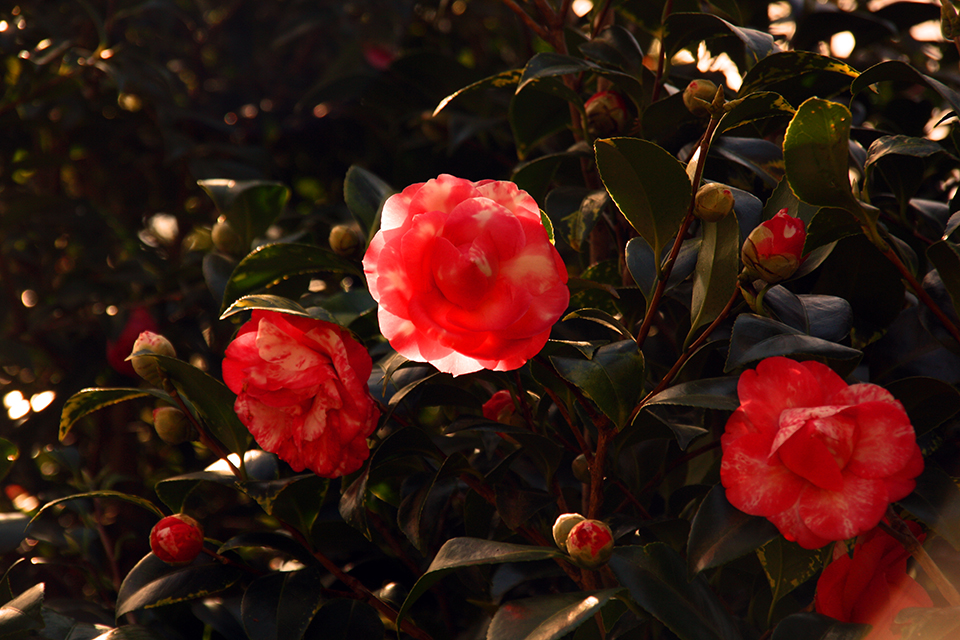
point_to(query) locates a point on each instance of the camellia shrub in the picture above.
(661, 343)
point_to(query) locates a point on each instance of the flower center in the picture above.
(816, 443)
(464, 274)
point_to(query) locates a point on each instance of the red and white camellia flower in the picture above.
(465, 275)
(818, 458)
(872, 586)
(301, 388)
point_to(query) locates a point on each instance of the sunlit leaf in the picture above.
(154, 583)
(715, 278)
(546, 617)
(788, 565)
(87, 401)
(612, 378)
(265, 302)
(364, 194)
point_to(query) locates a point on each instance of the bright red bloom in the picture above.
(773, 251)
(465, 275)
(301, 388)
(176, 539)
(818, 458)
(872, 586)
(499, 407)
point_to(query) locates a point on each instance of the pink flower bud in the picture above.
(698, 96)
(590, 543)
(773, 251)
(176, 539)
(607, 114)
(146, 366)
(562, 527)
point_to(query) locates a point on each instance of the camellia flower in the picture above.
(773, 251)
(818, 458)
(301, 388)
(465, 275)
(872, 586)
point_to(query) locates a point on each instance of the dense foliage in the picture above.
(487, 318)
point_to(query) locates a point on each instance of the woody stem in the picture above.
(899, 530)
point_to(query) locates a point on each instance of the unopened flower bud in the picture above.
(607, 114)
(562, 527)
(146, 366)
(698, 96)
(773, 251)
(345, 240)
(500, 407)
(172, 425)
(590, 543)
(176, 539)
(581, 469)
(714, 202)
(225, 238)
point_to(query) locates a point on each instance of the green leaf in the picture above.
(269, 540)
(23, 613)
(250, 206)
(715, 278)
(211, 398)
(154, 583)
(814, 626)
(346, 619)
(612, 378)
(648, 185)
(815, 152)
(414, 516)
(364, 194)
(102, 493)
(801, 69)
(536, 115)
(282, 605)
(687, 30)
(544, 69)
(534, 176)
(468, 552)
(503, 79)
(755, 338)
(901, 146)
(643, 265)
(828, 226)
(720, 533)
(755, 107)
(9, 453)
(129, 632)
(547, 617)
(788, 565)
(945, 256)
(267, 303)
(602, 318)
(656, 577)
(295, 501)
(87, 401)
(897, 71)
(936, 502)
(174, 491)
(929, 402)
(13, 528)
(272, 263)
(617, 47)
(708, 393)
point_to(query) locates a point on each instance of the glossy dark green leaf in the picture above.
(715, 278)
(211, 398)
(814, 626)
(928, 401)
(364, 194)
(708, 393)
(547, 617)
(762, 157)
(602, 318)
(503, 79)
(642, 265)
(898, 71)
(788, 565)
(294, 501)
(754, 107)
(175, 491)
(269, 540)
(468, 552)
(945, 256)
(266, 302)
(346, 619)
(656, 577)
(87, 401)
(536, 115)
(617, 47)
(901, 146)
(13, 528)
(281, 606)
(648, 185)
(154, 583)
(755, 338)
(23, 613)
(543, 72)
(828, 317)
(936, 502)
(720, 533)
(829, 225)
(687, 30)
(534, 176)
(250, 206)
(797, 68)
(217, 269)
(101, 493)
(9, 453)
(613, 378)
(271, 263)
(815, 151)
(414, 515)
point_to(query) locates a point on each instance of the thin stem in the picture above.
(899, 530)
(678, 241)
(662, 58)
(527, 20)
(596, 472)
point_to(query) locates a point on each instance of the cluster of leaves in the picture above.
(445, 532)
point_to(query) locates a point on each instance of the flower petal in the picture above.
(753, 485)
(839, 515)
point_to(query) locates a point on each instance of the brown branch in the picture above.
(530, 22)
(898, 530)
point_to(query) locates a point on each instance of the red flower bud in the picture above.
(146, 366)
(176, 539)
(698, 96)
(590, 543)
(499, 407)
(773, 251)
(607, 114)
